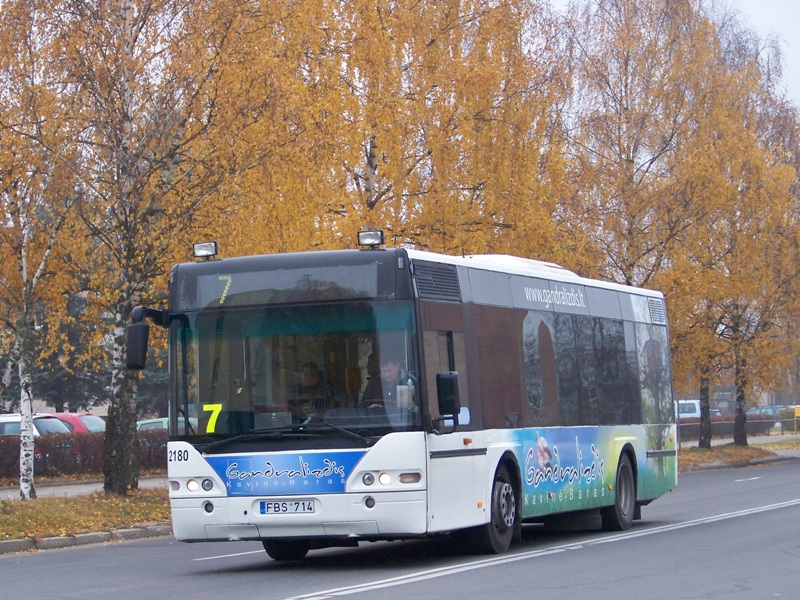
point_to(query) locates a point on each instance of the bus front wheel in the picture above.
(286, 549)
(495, 537)
(620, 516)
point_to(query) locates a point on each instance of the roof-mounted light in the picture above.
(205, 250)
(370, 238)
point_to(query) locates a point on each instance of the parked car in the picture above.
(42, 424)
(82, 422)
(690, 409)
(771, 411)
(162, 423)
(768, 411)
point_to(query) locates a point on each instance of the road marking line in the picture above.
(229, 555)
(510, 558)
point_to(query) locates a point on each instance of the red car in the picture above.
(81, 422)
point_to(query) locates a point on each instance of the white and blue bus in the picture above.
(508, 391)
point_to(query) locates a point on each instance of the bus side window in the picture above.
(445, 351)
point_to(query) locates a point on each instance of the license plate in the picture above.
(286, 507)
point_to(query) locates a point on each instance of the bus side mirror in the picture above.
(448, 394)
(136, 356)
(138, 332)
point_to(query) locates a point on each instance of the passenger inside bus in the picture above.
(313, 393)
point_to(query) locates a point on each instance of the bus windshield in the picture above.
(348, 367)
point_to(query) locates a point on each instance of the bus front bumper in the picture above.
(355, 515)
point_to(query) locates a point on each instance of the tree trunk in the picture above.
(740, 379)
(705, 413)
(27, 490)
(121, 449)
(121, 446)
(5, 383)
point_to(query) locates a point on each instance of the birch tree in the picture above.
(732, 278)
(146, 72)
(37, 193)
(638, 67)
(430, 120)
(456, 140)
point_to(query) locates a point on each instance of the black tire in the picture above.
(620, 516)
(286, 549)
(495, 537)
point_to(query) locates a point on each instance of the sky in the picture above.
(768, 17)
(782, 19)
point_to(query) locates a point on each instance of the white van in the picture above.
(687, 409)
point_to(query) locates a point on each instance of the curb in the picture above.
(750, 463)
(83, 539)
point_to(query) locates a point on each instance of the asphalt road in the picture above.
(730, 533)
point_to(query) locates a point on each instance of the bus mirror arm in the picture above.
(447, 421)
(157, 316)
(138, 332)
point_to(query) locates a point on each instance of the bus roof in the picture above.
(516, 265)
(500, 264)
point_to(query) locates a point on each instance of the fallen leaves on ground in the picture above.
(63, 516)
(727, 454)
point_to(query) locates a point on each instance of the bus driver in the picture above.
(394, 386)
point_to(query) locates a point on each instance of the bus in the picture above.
(520, 392)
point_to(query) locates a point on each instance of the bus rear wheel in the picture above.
(620, 516)
(495, 537)
(286, 549)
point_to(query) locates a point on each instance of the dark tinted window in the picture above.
(93, 423)
(499, 341)
(574, 369)
(49, 425)
(291, 278)
(68, 425)
(577, 371)
(9, 428)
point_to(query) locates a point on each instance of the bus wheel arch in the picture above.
(504, 525)
(620, 515)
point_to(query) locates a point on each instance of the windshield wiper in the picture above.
(187, 424)
(307, 429)
(345, 432)
(252, 435)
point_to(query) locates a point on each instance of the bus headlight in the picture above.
(192, 485)
(384, 478)
(368, 479)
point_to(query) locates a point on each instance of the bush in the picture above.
(9, 456)
(153, 448)
(69, 454)
(788, 421)
(722, 426)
